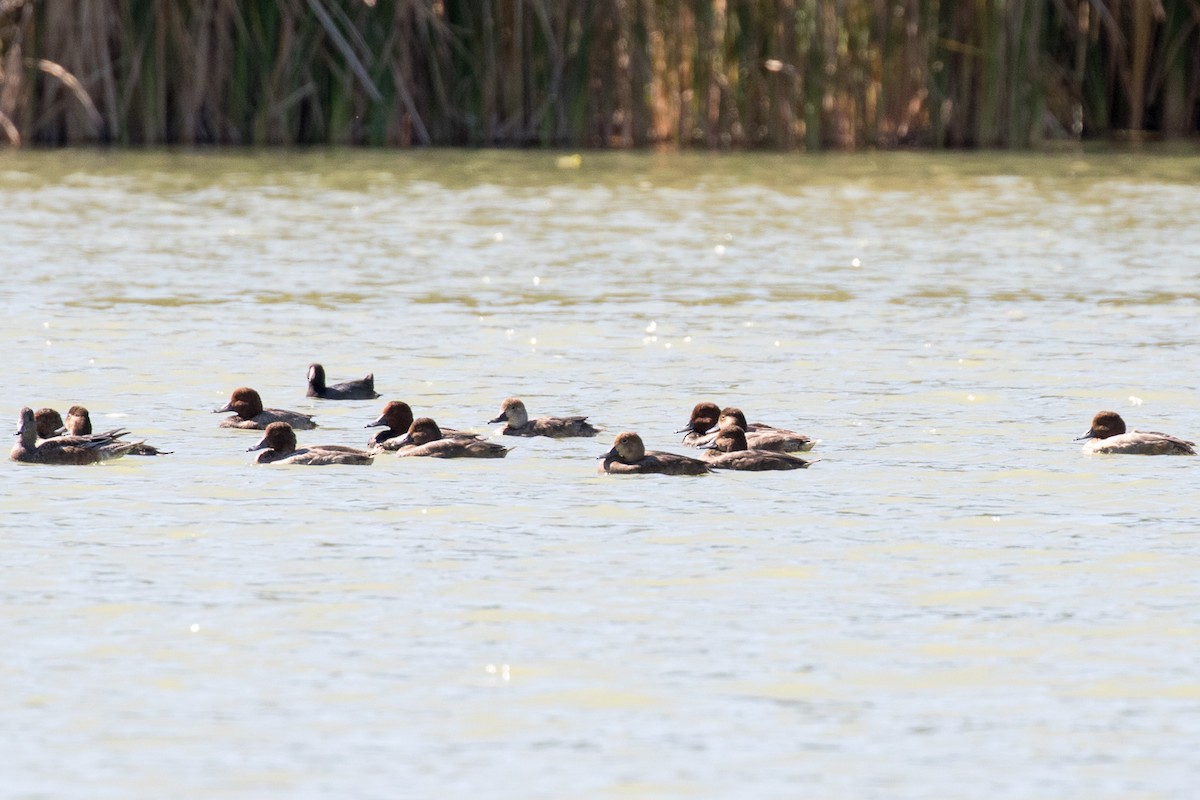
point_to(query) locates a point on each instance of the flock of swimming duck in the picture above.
(723, 436)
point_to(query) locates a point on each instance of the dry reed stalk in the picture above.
(611, 73)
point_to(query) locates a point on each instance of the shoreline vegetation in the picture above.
(709, 74)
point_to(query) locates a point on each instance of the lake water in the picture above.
(954, 602)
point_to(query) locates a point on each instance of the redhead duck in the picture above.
(279, 441)
(629, 456)
(512, 411)
(729, 450)
(361, 389)
(704, 419)
(424, 438)
(249, 413)
(65, 449)
(79, 423)
(49, 423)
(1107, 435)
(759, 436)
(397, 418)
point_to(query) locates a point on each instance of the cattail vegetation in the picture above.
(773, 74)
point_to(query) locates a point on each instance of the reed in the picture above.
(779, 74)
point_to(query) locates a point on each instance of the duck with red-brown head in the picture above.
(79, 423)
(279, 444)
(249, 414)
(1108, 435)
(425, 438)
(397, 418)
(72, 450)
(629, 456)
(49, 423)
(359, 389)
(703, 420)
(759, 435)
(729, 450)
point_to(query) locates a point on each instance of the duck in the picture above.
(65, 449)
(629, 456)
(729, 450)
(703, 419)
(79, 423)
(279, 442)
(361, 389)
(759, 436)
(49, 423)
(518, 423)
(1108, 435)
(397, 418)
(249, 414)
(425, 438)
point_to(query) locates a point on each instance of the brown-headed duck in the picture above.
(361, 389)
(759, 436)
(629, 456)
(65, 449)
(279, 441)
(397, 418)
(49, 423)
(729, 450)
(424, 438)
(704, 419)
(249, 413)
(79, 423)
(512, 411)
(1107, 435)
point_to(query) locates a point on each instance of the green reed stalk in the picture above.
(783, 74)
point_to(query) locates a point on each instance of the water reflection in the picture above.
(953, 577)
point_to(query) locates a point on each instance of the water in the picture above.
(954, 596)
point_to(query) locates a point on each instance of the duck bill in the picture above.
(500, 418)
(379, 423)
(707, 445)
(262, 445)
(223, 409)
(689, 428)
(1089, 435)
(610, 455)
(403, 440)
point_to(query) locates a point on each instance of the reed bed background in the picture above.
(782, 74)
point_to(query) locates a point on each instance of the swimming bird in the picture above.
(759, 436)
(65, 449)
(397, 418)
(79, 423)
(279, 441)
(49, 423)
(703, 419)
(360, 389)
(629, 456)
(424, 438)
(249, 414)
(729, 450)
(513, 412)
(1107, 435)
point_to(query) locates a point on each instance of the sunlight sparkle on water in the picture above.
(504, 671)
